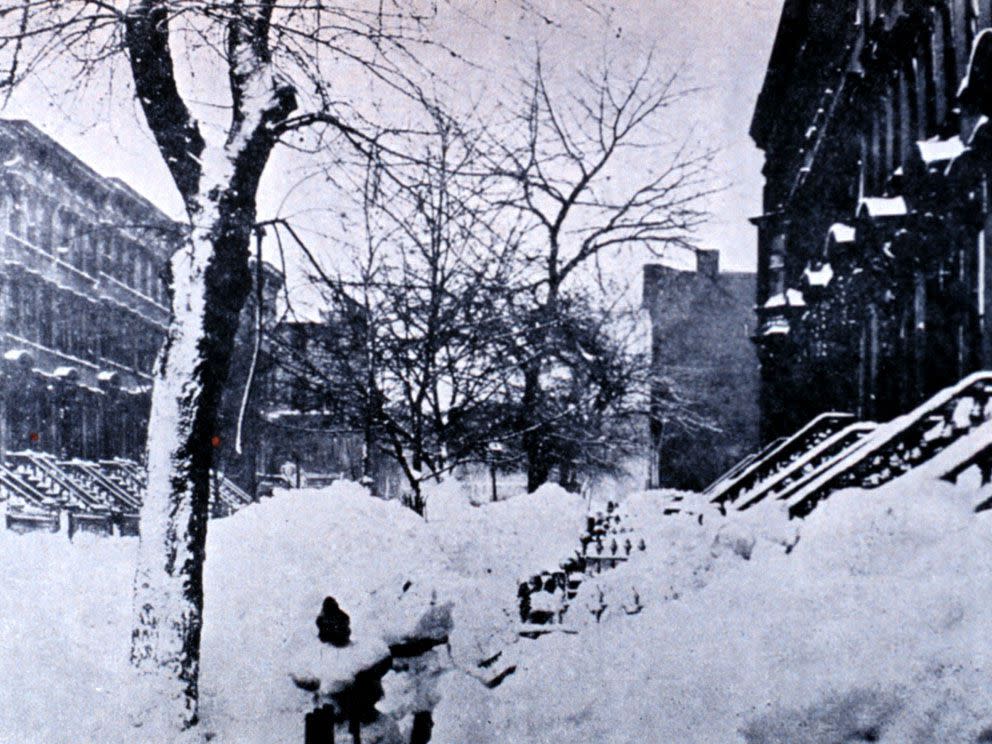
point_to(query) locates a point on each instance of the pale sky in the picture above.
(723, 44)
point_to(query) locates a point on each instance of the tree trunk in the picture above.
(535, 443)
(210, 281)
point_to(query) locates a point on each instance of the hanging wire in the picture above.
(259, 233)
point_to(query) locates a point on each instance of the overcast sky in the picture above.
(723, 44)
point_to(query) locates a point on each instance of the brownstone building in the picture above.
(83, 308)
(874, 255)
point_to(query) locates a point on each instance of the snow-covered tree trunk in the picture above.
(168, 586)
(209, 283)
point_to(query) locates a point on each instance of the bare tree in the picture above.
(281, 60)
(596, 171)
(430, 273)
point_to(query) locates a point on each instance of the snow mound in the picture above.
(489, 549)
(65, 611)
(513, 539)
(869, 629)
(268, 571)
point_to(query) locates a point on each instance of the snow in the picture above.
(937, 151)
(842, 233)
(820, 277)
(789, 298)
(22, 356)
(803, 466)
(65, 607)
(874, 207)
(490, 549)
(776, 327)
(861, 621)
(868, 630)
(334, 542)
(887, 431)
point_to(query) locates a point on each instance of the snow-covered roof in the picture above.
(820, 277)
(840, 232)
(876, 206)
(108, 376)
(67, 373)
(936, 151)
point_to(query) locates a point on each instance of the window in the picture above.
(938, 68)
(924, 120)
(907, 114)
(29, 309)
(45, 218)
(887, 149)
(91, 330)
(33, 218)
(14, 305)
(972, 13)
(92, 257)
(948, 91)
(46, 313)
(16, 218)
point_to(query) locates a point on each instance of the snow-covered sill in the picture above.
(51, 257)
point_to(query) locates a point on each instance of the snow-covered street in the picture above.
(871, 628)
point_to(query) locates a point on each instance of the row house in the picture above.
(83, 308)
(873, 287)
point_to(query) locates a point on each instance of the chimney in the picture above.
(708, 262)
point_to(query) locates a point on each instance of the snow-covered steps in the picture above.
(98, 497)
(545, 598)
(971, 452)
(17, 489)
(805, 468)
(780, 457)
(41, 468)
(905, 443)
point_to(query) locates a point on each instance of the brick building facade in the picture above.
(705, 415)
(874, 256)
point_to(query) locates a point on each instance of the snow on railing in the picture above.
(904, 443)
(812, 462)
(821, 427)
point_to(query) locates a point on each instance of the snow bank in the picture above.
(65, 612)
(269, 568)
(871, 629)
(489, 549)
(514, 538)
(65, 608)
(65, 616)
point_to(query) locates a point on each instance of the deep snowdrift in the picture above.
(873, 628)
(65, 607)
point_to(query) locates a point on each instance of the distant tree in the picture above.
(597, 171)
(430, 274)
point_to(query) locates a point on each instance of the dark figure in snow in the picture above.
(333, 624)
(523, 596)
